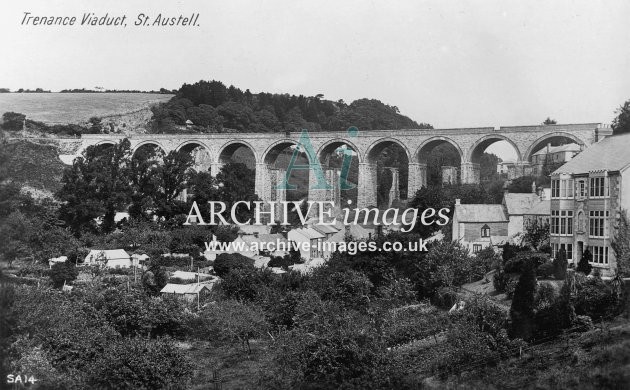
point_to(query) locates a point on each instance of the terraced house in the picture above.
(588, 195)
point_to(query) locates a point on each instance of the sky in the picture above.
(447, 63)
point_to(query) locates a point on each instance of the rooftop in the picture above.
(609, 154)
(480, 213)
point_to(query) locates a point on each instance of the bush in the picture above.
(596, 299)
(545, 270)
(584, 265)
(560, 264)
(138, 363)
(516, 264)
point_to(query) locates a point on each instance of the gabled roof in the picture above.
(480, 213)
(610, 154)
(110, 254)
(543, 207)
(309, 233)
(193, 288)
(518, 204)
(561, 148)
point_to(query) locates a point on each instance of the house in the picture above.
(258, 244)
(114, 258)
(309, 242)
(187, 292)
(517, 205)
(55, 260)
(541, 210)
(588, 194)
(477, 226)
(193, 276)
(553, 156)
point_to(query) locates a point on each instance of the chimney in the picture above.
(458, 201)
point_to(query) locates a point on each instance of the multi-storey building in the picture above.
(587, 196)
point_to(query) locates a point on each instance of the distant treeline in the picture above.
(83, 90)
(213, 107)
(22, 90)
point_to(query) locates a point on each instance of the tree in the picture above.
(225, 262)
(621, 124)
(621, 244)
(170, 179)
(549, 121)
(537, 234)
(584, 265)
(234, 321)
(522, 309)
(560, 264)
(13, 121)
(96, 185)
(154, 278)
(237, 183)
(63, 273)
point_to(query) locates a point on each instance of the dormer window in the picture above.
(485, 231)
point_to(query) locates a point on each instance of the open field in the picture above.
(76, 107)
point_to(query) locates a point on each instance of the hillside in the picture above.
(33, 165)
(213, 107)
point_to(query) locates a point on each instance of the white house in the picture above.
(55, 260)
(114, 258)
(315, 240)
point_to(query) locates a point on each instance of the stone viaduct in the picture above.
(367, 145)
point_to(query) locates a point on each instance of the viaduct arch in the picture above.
(470, 144)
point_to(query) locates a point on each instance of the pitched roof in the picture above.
(193, 288)
(543, 207)
(518, 204)
(110, 254)
(561, 148)
(480, 213)
(309, 233)
(609, 154)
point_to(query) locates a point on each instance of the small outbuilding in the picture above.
(114, 258)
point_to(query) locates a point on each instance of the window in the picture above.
(600, 254)
(562, 188)
(569, 251)
(477, 248)
(581, 190)
(555, 188)
(598, 187)
(597, 223)
(562, 222)
(485, 231)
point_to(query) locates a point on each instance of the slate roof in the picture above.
(110, 254)
(543, 207)
(193, 288)
(518, 204)
(611, 153)
(480, 213)
(561, 148)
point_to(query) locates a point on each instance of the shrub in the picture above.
(596, 299)
(584, 265)
(560, 264)
(515, 265)
(522, 309)
(138, 363)
(545, 270)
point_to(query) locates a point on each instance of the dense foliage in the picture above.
(213, 107)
